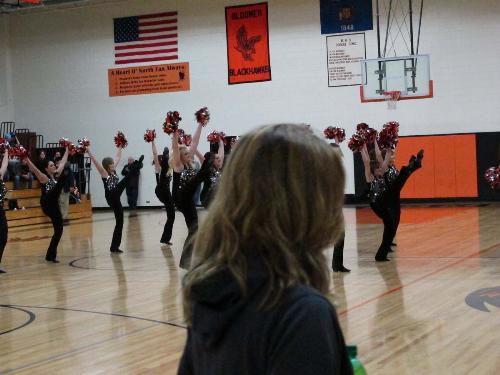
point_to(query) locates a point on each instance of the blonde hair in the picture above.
(280, 198)
(182, 148)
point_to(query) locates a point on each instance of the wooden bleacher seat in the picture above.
(32, 212)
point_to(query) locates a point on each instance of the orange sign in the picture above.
(152, 79)
(247, 43)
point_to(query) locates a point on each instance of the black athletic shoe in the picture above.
(341, 269)
(116, 251)
(52, 260)
(2, 271)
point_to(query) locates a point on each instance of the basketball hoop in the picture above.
(392, 97)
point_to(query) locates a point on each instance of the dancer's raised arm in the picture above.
(366, 162)
(176, 155)
(196, 140)
(5, 163)
(98, 166)
(118, 155)
(62, 162)
(155, 157)
(41, 177)
(220, 153)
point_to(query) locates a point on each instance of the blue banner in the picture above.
(342, 16)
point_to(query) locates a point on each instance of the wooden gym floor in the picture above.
(100, 314)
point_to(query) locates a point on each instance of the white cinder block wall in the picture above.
(6, 100)
(60, 58)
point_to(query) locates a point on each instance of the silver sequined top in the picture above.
(51, 184)
(377, 187)
(186, 175)
(3, 193)
(215, 175)
(391, 174)
(111, 181)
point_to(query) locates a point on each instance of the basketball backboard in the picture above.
(409, 75)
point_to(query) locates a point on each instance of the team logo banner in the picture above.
(247, 35)
(341, 16)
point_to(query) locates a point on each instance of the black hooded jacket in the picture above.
(233, 335)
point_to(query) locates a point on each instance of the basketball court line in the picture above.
(74, 351)
(390, 291)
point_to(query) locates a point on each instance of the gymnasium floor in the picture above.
(100, 314)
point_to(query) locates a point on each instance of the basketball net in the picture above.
(392, 97)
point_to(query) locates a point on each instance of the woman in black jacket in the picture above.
(255, 297)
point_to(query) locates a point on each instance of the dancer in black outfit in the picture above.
(390, 177)
(184, 185)
(113, 189)
(4, 228)
(51, 190)
(162, 191)
(383, 194)
(338, 248)
(213, 178)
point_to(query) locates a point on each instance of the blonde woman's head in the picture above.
(279, 200)
(185, 156)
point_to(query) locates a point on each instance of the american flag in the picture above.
(151, 37)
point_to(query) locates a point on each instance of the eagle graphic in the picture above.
(246, 46)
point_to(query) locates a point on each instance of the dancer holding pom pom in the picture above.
(384, 194)
(162, 191)
(4, 229)
(113, 188)
(185, 183)
(51, 189)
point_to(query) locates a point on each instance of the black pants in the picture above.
(113, 199)
(165, 197)
(185, 203)
(338, 253)
(50, 207)
(4, 231)
(388, 208)
(383, 211)
(132, 194)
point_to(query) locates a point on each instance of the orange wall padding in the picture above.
(449, 168)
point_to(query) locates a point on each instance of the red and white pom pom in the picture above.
(492, 175)
(370, 135)
(234, 141)
(389, 136)
(187, 139)
(333, 132)
(173, 118)
(171, 123)
(65, 142)
(20, 152)
(149, 135)
(202, 116)
(120, 140)
(83, 145)
(215, 137)
(362, 127)
(356, 143)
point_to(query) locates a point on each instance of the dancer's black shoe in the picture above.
(52, 260)
(416, 161)
(382, 259)
(116, 251)
(2, 271)
(341, 269)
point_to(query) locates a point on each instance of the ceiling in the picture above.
(10, 6)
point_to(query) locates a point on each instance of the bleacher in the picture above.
(28, 210)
